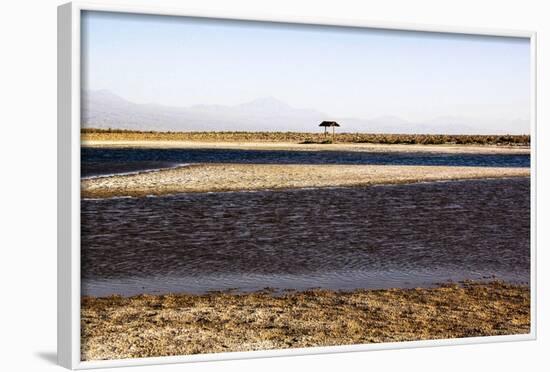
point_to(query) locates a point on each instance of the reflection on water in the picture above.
(342, 238)
(101, 161)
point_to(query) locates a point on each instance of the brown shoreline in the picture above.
(162, 325)
(253, 177)
(308, 138)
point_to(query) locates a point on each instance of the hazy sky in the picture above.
(344, 72)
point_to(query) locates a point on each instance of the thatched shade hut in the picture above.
(327, 124)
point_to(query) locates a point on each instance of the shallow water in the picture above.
(102, 161)
(339, 238)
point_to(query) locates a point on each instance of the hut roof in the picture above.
(329, 124)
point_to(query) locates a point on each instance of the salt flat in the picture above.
(293, 146)
(243, 177)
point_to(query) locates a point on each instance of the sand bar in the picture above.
(290, 146)
(240, 177)
(147, 326)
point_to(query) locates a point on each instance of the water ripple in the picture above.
(371, 237)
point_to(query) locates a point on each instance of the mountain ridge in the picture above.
(104, 109)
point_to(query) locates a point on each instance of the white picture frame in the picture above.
(69, 90)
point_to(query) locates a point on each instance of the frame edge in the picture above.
(534, 186)
(64, 145)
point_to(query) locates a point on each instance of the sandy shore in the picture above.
(146, 326)
(292, 146)
(238, 177)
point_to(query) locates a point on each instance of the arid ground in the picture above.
(144, 326)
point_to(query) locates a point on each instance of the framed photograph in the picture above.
(243, 186)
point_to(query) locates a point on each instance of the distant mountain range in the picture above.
(104, 109)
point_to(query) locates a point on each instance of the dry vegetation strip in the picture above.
(306, 138)
(238, 177)
(145, 326)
